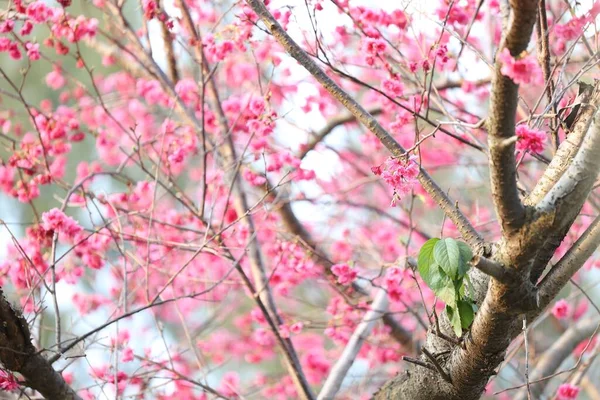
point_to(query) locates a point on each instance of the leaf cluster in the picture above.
(443, 265)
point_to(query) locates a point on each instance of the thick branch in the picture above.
(493, 269)
(501, 122)
(575, 183)
(560, 189)
(570, 263)
(568, 149)
(18, 354)
(466, 229)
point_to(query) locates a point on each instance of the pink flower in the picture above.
(33, 51)
(561, 309)
(375, 46)
(187, 90)
(257, 106)
(393, 283)
(55, 80)
(345, 274)
(296, 328)
(26, 28)
(39, 12)
(7, 26)
(253, 178)
(55, 220)
(150, 9)
(230, 384)
(530, 139)
(524, 70)
(8, 382)
(14, 51)
(393, 87)
(566, 391)
(571, 30)
(401, 175)
(127, 355)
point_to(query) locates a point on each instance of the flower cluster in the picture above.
(400, 173)
(56, 221)
(523, 70)
(8, 382)
(345, 274)
(530, 139)
(567, 391)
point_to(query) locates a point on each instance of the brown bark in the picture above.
(18, 354)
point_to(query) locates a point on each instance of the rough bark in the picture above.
(18, 354)
(502, 120)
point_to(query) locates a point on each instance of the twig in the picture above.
(418, 362)
(437, 365)
(526, 357)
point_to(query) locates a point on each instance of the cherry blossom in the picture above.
(400, 174)
(567, 391)
(561, 309)
(530, 139)
(523, 70)
(8, 382)
(345, 274)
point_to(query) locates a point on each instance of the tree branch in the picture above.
(501, 122)
(581, 173)
(568, 149)
(464, 226)
(361, 333)
(553, 357)
(18, 354)
(570, 263)
(493, 269)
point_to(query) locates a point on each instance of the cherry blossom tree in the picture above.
(299, 200)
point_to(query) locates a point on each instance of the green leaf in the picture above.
(439, 279)
(454, 318)
(467, 314)
(425, 263)
(470, 286)
(447, 254)
(466, 255)
(447, 293)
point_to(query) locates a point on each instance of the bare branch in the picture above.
(493, 269)
(551, 359)
(361, 333)
(501, 121)
(172, 70)
(464, 226)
